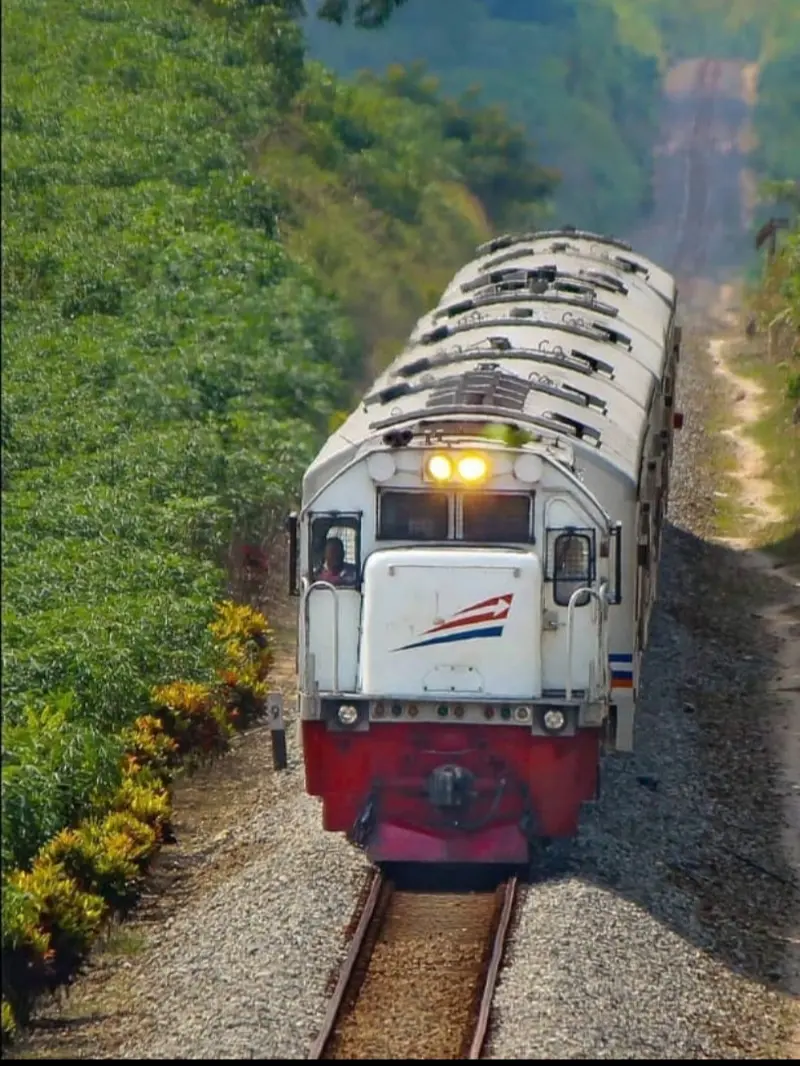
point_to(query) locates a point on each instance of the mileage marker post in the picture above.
(277, 729)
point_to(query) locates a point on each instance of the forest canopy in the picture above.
(583, 78)
(587, 98)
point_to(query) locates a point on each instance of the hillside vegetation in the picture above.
(580, 76)
(206, 241)
(209, 241)
(583, 77)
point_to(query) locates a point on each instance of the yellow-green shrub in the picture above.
(9, 1021)
(141, 796)
(65, 914)
(52, 913)
(192, 715)
(244, 634)
(105, 857)
(26, 953)
(147, 744)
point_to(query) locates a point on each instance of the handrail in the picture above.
(602, 636)
(327, 586)
(602, 600)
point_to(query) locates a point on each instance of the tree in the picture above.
(367, 14)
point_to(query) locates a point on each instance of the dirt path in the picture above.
(782, 615)
(755, 491)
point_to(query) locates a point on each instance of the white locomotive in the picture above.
(477, 550)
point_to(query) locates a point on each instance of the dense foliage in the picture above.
(777, 301)
(205, 239)
(165, 365)
(378, 174)
(53, 910)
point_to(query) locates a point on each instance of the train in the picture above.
(476, 555)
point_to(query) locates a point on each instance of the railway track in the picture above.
(419, 976)
(691, 254)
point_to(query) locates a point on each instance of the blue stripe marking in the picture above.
(622, 675)
(451, 638)
(621, 658)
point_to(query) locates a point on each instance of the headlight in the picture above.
(439, 467)
(472, 468)
(347, 714)
(554, 720)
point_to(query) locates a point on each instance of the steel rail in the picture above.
(490, 981)
(319, 1047)
(358, 956)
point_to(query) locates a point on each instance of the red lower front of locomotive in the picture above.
(419, 792)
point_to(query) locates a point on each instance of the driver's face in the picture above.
(334, 557)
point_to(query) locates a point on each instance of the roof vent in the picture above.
(486, 386)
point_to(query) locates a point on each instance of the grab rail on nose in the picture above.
(602, 601)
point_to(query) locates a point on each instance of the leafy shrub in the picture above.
(105, 857)
(9, 1022)
(65, 914)
(244, 636)
(147, 744)
(142, 796)
(191, 713)
(55, 769)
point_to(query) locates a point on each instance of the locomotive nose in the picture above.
(450, 786)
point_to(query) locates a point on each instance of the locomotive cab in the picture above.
(454, 649)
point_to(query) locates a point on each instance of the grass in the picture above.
(727, 514)
(122, 941)
(780, 440)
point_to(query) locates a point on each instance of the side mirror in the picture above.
(294, 546)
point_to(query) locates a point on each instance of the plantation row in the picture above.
(206, 242)
(53, 912)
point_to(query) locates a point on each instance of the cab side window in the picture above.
(335, 550)
(571, 564)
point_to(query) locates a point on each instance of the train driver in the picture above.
(334, 569)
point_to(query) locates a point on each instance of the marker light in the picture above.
(554, 720)
(440, 468)
(347, 714)
(472, 468)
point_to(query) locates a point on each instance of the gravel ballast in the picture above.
(243, 971)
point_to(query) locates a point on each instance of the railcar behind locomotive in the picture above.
(476, 555)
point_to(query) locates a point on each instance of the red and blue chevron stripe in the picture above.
(462, 625)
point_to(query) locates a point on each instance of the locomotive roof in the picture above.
(586, 376)
(456, 323)
(605, 251)
(541, 273)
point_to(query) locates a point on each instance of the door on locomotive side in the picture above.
(331, 603)
(574, 646)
